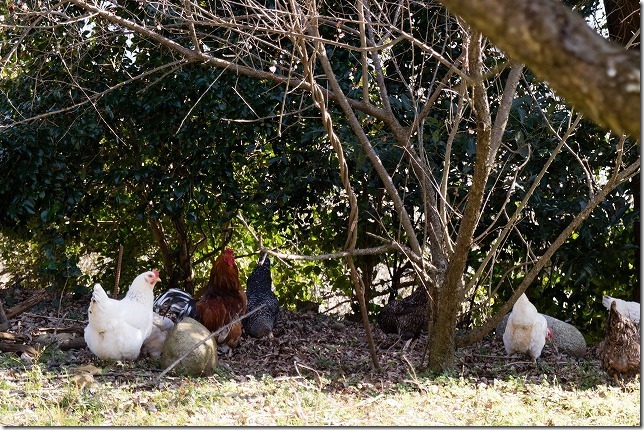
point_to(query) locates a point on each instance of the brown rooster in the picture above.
(619, 352)
(223, 300)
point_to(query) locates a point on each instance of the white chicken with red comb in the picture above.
(117, 328)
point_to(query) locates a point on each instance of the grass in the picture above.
(31, 395)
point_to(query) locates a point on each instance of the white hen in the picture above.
(630, 310)
(526, 331)
(117, 328)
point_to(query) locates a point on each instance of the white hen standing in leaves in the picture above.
(526, 331)
(117, 328)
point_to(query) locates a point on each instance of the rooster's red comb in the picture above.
(156, 272)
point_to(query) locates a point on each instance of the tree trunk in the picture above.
(623, 18)
(596, 76)
(637, 237)
(166, 257)
(452, 291)
(185, 247)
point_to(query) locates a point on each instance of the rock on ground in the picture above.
(566, 337)
(183, 337)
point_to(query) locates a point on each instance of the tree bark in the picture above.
(452, 291)
(623, 18)
(596, 76)
(185, 254)
(166, 257)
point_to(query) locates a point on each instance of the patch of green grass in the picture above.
(48, 398)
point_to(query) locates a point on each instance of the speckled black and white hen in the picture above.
(168, 309)
(259, 291)
(406, 317)
(175, 304)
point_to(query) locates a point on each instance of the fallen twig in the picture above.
(13, 337)
(498, 357)
(54, 318)
(75, 343)
(72, 329)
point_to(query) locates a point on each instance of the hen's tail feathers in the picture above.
(175, 303)
(98, 311)
(99, 298)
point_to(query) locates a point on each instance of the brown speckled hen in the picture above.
(619, 351)
(406, 317)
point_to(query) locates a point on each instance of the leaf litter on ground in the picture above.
(312, 355)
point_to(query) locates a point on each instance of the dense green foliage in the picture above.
(190, 147)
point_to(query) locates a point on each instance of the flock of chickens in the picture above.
(527, 330)
(138, 324)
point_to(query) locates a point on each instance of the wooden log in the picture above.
(75, 343)
(13, 337)
(73, 329)
(17, 347)
(27, 304)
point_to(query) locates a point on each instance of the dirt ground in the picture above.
(309, 345)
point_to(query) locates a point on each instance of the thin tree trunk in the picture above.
(185, 246)
(115, 293)
(452, 290)
(166, 257)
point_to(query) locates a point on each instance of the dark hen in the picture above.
(259, 292)
(619, 351)
(406, 317)
(176, 305)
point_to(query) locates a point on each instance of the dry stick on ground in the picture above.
(13, 337)
(197, 345)
(29, 314)
(75, 343)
